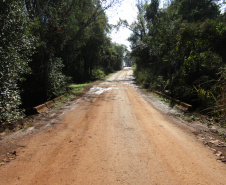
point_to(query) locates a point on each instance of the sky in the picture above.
(126, 10)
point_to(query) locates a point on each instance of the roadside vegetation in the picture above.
(47, 45)
(77, 88)
(180, 50)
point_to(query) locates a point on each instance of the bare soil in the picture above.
(114, 134)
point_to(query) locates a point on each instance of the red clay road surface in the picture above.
(114, 136)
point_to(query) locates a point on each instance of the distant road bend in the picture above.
(114, 136)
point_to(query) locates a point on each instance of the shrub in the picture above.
(16, 45)
(98, 74)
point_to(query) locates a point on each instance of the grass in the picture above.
(77, 88)
(109, 75)
(74, 90)
(221, 133)
(164, 99)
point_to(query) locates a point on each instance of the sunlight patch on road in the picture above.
(99, 90)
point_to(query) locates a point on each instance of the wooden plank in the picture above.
(49, 103)
(41, 108)
(178, 102)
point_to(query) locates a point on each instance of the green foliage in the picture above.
(182, 47)
(57, 80)
(16, 45)
(77, 88)
(111, 56)
(45, 45)
(193, 11)
(220, 95)
(204, 96)
(128, 60)
(98, 74)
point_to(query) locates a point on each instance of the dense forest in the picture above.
(45, 45)
(181, 51)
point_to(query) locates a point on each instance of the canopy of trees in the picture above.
(47, 44)
(181, 51)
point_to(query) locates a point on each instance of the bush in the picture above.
(16, 45)
(57, 81)
(98, 74)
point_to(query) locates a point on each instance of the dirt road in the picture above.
(113, 136)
